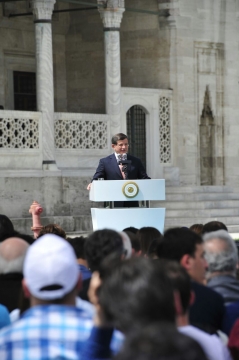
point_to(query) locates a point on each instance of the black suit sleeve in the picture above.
(141, 171)
(100, 171)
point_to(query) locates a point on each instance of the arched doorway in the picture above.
(136, 131)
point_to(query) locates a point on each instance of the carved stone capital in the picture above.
(42, 9)
(112, 12)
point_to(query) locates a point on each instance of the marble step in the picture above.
(214, 196)
(82, 224)
(188, 221)
(176, 205)
(187, 213)
(201, 189)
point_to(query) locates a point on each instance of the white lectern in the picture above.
(127, 190)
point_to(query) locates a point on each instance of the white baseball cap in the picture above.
(50, 268)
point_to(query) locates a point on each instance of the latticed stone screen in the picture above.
(80, 134)
(19, 133)
(164, 130)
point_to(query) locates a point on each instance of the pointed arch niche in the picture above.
(207, 143)
(210, 113)
(211, 167)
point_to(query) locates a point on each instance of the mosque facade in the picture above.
(74, 73)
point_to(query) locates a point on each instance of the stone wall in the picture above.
(64, 199)
(203, 52)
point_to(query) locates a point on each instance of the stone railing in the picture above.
(19, 129)
(81, 131)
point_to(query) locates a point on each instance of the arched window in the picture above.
(136, 132)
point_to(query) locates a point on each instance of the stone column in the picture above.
(42, 10)
(111, 14)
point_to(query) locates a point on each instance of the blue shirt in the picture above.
(46, 332)
(85, 273)
(4, 316)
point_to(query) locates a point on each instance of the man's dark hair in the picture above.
(177, 242)
(146, 236)
(197, 228)
(213, 226)
(78, 244)
(28, 238)
(117, 137)
(160, 341)
(181, 282)
(100, 244)
(134, 241)
(6, 228)
(52, 229)
(131, 229)
(136, 292)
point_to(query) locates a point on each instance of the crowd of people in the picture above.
(136, 294)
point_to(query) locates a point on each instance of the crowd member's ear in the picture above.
(185, 262)
(192, 298)
(25, 289)
(79, 283)
(177, 303)
(95, 284)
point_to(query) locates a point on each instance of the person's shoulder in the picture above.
(8, 332)
(207, 341)
(206, 291)
(133, 158)
(106, 158)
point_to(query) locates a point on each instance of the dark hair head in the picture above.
(134, 241)
(136, 292)
(6, 228)
(52, 229)
(117, 137)
(197, 228)
(181, 282)
(152, 252)
(100, 244)
(213, 226)
(160, 341)
(146, 236)
(78, 244)
(28, 238)
(177, 242)
(131, 229)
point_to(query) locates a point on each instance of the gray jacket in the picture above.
(227, 286)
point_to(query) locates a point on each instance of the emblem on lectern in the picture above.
(130, 189)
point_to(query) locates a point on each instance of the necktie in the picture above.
(122, 157)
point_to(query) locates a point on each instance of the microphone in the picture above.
(126, 166)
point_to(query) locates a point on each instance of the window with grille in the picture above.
(24, 90)
(136, 132)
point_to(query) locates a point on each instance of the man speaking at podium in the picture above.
(120, 166)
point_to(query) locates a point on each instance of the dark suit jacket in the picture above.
(207, 311)
(108, 169)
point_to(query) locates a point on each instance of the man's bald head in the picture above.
(12, 254)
